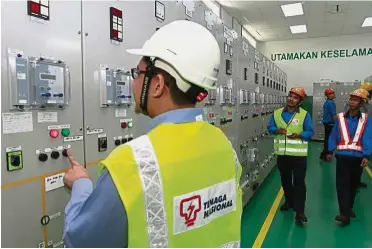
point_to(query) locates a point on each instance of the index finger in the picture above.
(72, 159)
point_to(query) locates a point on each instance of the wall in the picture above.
(305, 72)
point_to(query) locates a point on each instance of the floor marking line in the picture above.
(269, 219)
(368, 171)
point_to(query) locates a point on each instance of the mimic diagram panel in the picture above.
(72, 89)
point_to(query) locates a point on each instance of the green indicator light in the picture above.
(65, 132)
(130, 124)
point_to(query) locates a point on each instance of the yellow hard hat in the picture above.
(361, 93)
(367, 86)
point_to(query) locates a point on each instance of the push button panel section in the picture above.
(54, 153)
(122, 139)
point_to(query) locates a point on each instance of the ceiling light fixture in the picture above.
(298, 29)
(367, 22)
(293, 9)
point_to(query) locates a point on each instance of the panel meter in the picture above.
(50, 81)
(123, 89)
(18, 80)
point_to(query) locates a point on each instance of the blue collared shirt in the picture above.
(329, 110)
(352, 123)
(96, 217)
(308, 129)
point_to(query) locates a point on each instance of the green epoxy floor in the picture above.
(321, 209)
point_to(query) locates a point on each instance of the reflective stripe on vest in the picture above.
(346, 142)
(289, 146)
(235, 244)
(290, 141)
(148, 169)
(171, 199)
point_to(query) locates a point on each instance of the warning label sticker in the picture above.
(198, 208)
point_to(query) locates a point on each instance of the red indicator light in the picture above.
(124, 125)
(54, 133)
(246, 110)
(35, 7)
(211, 115)
(229, 112)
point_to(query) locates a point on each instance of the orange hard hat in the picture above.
(328, 91)
(367, 86)
(361, 93)
(299, 91)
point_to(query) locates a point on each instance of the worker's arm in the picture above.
(334, 137)
(271, 126)
(95, 217)
(308, 131)
(367, 139)
(332, 109)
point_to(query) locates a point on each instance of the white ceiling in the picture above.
(266, 22)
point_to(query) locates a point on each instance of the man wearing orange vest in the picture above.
(177, 185)
(351, 138)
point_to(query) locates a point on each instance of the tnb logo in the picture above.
(189, 209)
(295, 121)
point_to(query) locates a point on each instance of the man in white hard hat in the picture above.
(176, 186)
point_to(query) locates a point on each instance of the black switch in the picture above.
(15, 160)
(130, 138)
(64, 153)
(124, 140)
(102, 144)
(54, 155)
(43, 157)
(117, 142)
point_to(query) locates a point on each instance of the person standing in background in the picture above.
(293, 129)
(368, 86)
(351, 138)
(329, 116)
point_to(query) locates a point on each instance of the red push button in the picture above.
(54, 133)
(211, 115)
(124, 125)
(229, 112)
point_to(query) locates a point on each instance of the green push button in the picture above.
(65, 132)
(130, 124)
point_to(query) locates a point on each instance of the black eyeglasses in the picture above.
(135, 72)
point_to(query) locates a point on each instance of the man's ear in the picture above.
(158, 86)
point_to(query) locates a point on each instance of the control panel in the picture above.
(71, 90)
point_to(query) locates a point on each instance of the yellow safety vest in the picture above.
(289, 146)
(180, 187)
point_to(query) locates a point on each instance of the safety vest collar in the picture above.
(346, 142)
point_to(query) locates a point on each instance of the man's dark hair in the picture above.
(179, 97)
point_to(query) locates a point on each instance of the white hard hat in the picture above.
(189, 48)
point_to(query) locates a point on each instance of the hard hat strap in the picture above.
(145, 87)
